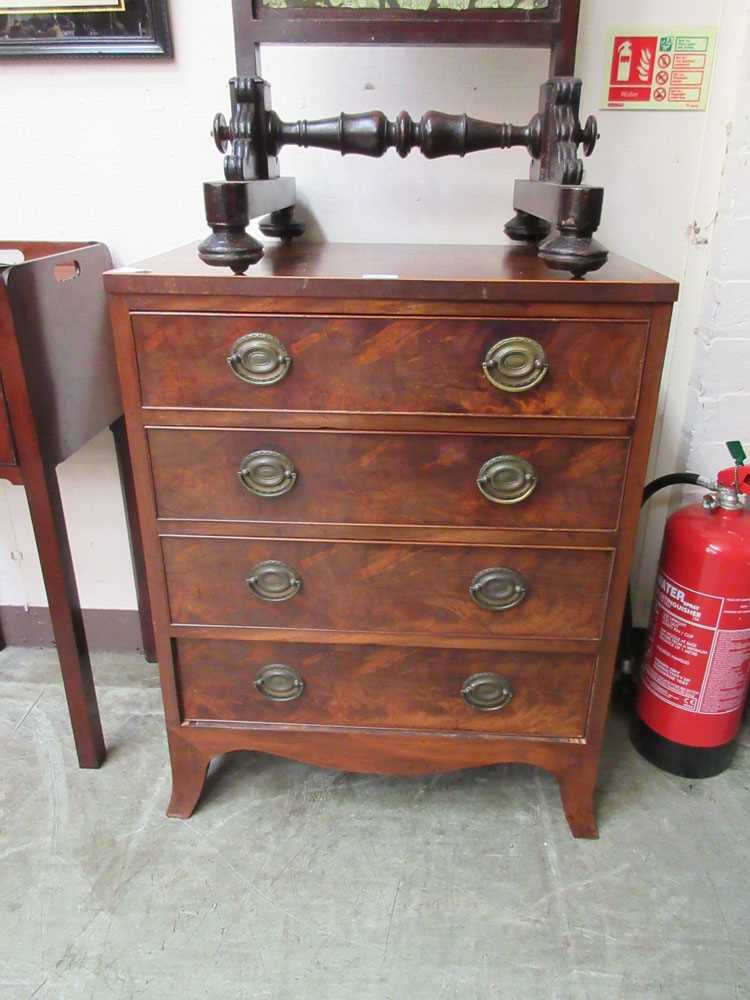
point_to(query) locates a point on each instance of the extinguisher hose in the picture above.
(675, 479)
(627, 656)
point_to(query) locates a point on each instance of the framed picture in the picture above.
(84, 28)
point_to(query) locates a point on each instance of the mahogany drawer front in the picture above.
(384, 588)
(383, 687)
(7, 451)
(390, 365)
(395, 479)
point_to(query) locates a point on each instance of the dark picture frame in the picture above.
(115, 28)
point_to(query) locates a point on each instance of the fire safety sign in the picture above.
(669, 71)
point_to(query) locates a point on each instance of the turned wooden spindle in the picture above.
(371, 134)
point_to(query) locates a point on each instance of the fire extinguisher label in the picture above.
(698, 662)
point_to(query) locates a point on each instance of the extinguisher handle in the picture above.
(736, 477)
(737, 451)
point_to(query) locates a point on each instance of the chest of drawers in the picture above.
(389, 497)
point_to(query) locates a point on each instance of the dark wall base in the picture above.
(106, 630)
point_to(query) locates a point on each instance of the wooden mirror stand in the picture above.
(554, 209)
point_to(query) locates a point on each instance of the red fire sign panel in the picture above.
(665, 71)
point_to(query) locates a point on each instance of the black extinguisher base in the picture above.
(684, 761)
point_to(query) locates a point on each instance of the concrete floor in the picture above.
(291, 883)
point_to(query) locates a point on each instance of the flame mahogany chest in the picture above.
(389, 499)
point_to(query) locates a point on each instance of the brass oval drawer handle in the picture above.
(272, 580)
(507, 479)
(498, 589)
(259, 358)
(267, 473)
(516, 364)
(487, 692)
(278, 682)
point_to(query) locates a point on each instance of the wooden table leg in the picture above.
(45, 504)
(136, 541)
(189, 768)
(577, 787)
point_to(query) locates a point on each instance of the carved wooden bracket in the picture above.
(255, 134)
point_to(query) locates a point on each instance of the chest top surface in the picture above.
(394, 271)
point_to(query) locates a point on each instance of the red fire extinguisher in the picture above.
(696, 671)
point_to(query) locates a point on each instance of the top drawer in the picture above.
(545, 367)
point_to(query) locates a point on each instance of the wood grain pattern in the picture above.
(381, 751)
(433, 640)
(425, 423)
(413, 589)
(384, 607)
(459, 273)
(395, 479)
(572, 538)
(385, 687)
(391, 365)
(212, 302)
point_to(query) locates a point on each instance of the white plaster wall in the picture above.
(669, 452)
(719, 394)
(117, 151)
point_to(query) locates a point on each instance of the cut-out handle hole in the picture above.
(67, 272)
